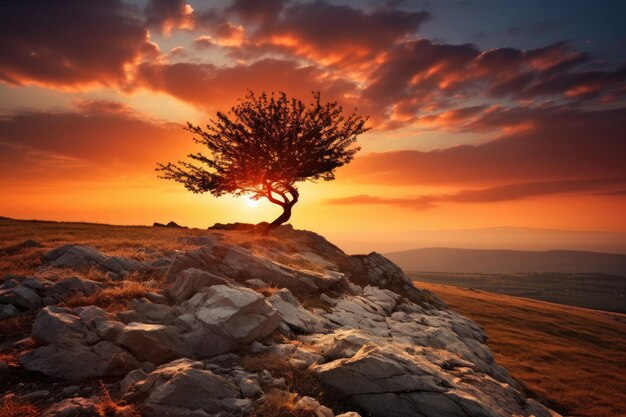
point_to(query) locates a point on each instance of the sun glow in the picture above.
(250, 202)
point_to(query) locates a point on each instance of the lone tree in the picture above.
(265, 145)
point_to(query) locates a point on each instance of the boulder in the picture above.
(219, 318)
(17, 248)
(313, 406)
(67, 287)
(189, 281)
(8, 310)
(297, 317)
(74, 256)
(21, 296)
(395, 379)
(82, 258)
(20, 293)
(155, 343)
(184, 384)
(75, 350)
(73, 407)
(149, 312)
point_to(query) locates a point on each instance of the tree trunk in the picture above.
(285, 216)
(286, 204)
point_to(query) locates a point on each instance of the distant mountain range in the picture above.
(492, 261)
(515, 238)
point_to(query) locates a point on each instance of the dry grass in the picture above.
(266, 291)
(21, 263)
(128, 241)
(108, 407)
(572, 358)
(137, 242)
(16, 327)
(278, 403)
(111, 299)
(14, 408)
(304, 381)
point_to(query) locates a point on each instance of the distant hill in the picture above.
(495, 261)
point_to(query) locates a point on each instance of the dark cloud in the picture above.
(254, 11)
(100, 139)
(169, 14)
(420, 76)
(69, 43)
(208, 86)
(543, 144)
(321, 31)
(508, 192)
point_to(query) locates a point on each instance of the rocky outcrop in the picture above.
(239, 264)
(189, 281)
(220, 318)
(21, 293)
(82, 258)
(79, 345)
(294, 315)
(85, 343)
(184, 386)
(73, 407)
(354, 324)
(19, 247)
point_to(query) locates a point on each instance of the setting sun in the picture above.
(250, 202)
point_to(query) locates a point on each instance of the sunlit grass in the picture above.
(572, 357)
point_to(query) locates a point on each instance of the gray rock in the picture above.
(249, 388)
(149, 312)
(8, 310)
(220, 318)
(73, 256)
(154, 343)
(75, 350)
(296, 316)
(237, 406)
(21, 296)
(70, 391)
(256, 283)
(189, 281)
(184, 384)
(82, 258)
(13, 249)
(35, 394)
(73, 407)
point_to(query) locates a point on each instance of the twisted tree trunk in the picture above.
(286, 204)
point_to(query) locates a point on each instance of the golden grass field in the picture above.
(572, 358)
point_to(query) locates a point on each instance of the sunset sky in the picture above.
(483, 113)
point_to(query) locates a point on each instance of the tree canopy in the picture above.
(265, 145)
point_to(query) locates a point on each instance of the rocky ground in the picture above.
(240, 324)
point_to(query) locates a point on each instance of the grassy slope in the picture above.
(570, 357)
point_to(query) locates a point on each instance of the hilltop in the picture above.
(167, 322)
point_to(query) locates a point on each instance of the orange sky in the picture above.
(462, 137)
